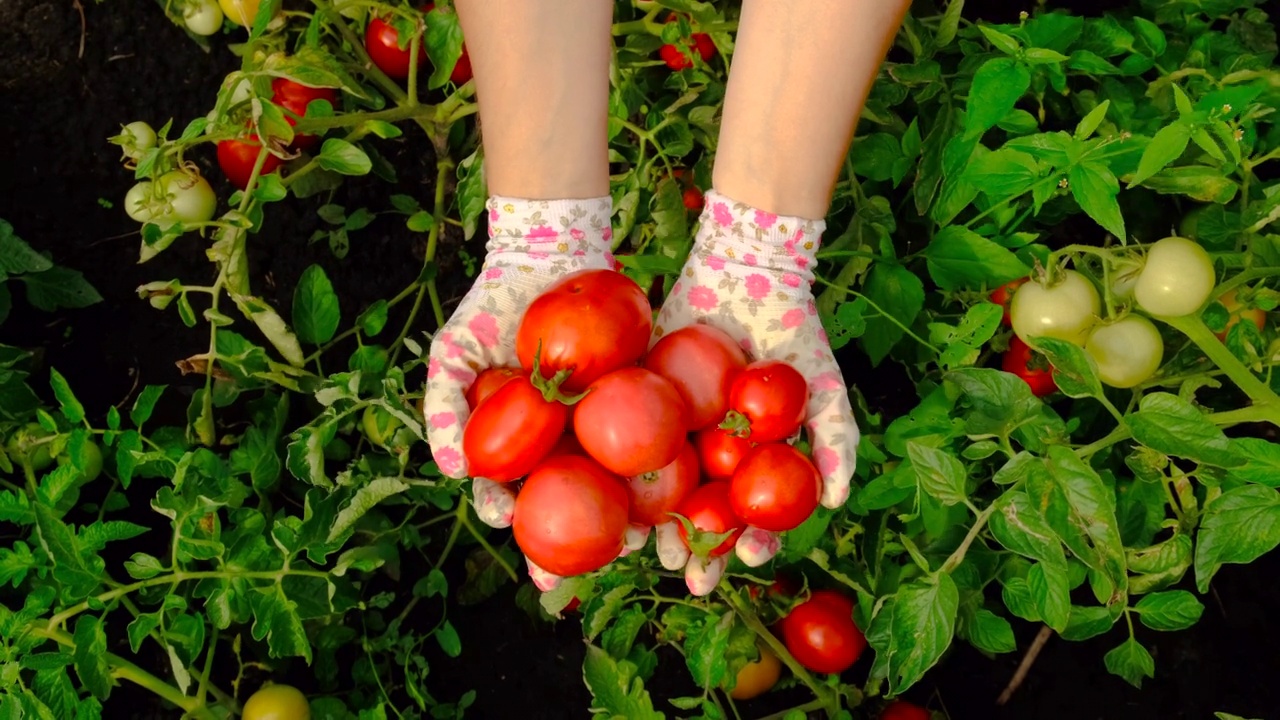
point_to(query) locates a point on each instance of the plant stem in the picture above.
(428, 288)
(878, 309)
(465, 518)
(957, 557)
(1195, 329)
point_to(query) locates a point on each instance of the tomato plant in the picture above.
(1064, 308)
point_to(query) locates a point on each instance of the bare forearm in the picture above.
(542, 81)
(801, 73)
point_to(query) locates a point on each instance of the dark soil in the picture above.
(56, 111)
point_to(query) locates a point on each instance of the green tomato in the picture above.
(183, 197)
(1065, 310)
(277, 702)
(92, 461)
(203, 17)
(1127, 351)
(380, 426)
(24, 446)
(136, 139)
(1176, 279)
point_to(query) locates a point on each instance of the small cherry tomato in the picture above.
(701, 362)
(277, 702)
(511, 431)
(462, 69)
(775, 487)
(25, 445)
(1177, 278)
(571, 515)
(382, 42)
(294, 98)
(707, 507)
(1031, 366)
(488, 382)
(240, 12)
(1065, 310)
(719, 452)
(821, 635)
(655, 494)
(758, 676)
(1003, 295)
(136, 139)
(1127, 351)
(676, 59)
(203, 17)
(903, 710)
(631, 421)
(1236, 312)
(773, 397)
(692, 198)
(237, 158)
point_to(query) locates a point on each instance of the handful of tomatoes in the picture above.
(602, 435)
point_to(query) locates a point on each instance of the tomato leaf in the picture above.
(1172, 610)
(900, 294)
(1020, 526)
(443, 45)
(989, 632)
(342, 157)
(615, 686)
(1261, 461)
(997, 86)
(939, 473)
(922, 625)
(706, 649)
(59, 287)
(472, 191)
(1088, 622)
(958, 257)
(315, 307)
(1238, 527)
(1075, 372)
(1050, 592)
(1131, 661)
(1173, 426)
(91, 656)
(1166, 146)
(1094, 186)
(16, 256)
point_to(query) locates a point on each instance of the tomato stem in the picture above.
(1200, 334)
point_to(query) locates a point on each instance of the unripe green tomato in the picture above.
(142, 138)
(1128, 351)
(203, 17)
(277, 702)
(1177, 278)
(22, 446)
(92, 462)
(1065, 310)
(379, 425)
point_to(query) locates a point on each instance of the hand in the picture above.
(749, 274)
(531, 245)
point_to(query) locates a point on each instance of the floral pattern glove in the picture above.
(749, 274)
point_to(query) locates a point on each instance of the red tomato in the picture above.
(701, 362)
(237, 158)
(567, 445)
(631, 421)
(571, 515)
(511, 431)
(692, 197)
(775, 487)
(655, 494)
(294, 97)
(1026, 363)
(488, 382)
(573, 604)
(677, 60)
(773, 396)
(821, 635)
(719, 452)
(462, 69)
(903, 710)
(1003, 295)
(382, 43)
(591, 322)
(707, 507)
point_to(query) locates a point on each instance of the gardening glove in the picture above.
(749, 274)
(532, 243)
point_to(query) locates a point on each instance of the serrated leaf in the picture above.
(1173, 426)
(363, 501)
(616, 688)
(940, 474)
(923, 624)
(997, 86)
(91, 656)
(706, 649)
(59, 287)
(958, 257)
(1239, 526)
(275, 618)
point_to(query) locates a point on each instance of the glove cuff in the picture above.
(734, 232)
(550, 227)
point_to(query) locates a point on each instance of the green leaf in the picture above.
(448, 639)
(272, 326)
(1240, 526)
(1130, 661)
(275, 618)
(1171, 610)
(1075, 372)
(1020, 526)
(472, 192)
(997, 86)
(342, 157)
(142, 566)
(374, 318)
(1261, 461)
(59, 543)
(1173, 426)
(616, 688)
(72, 410)
(1095, 187)
(363, 501)
(1004, 173)
(1089, 123)
(54, 688)
(940, 474)
(991, 633)
(15, 563)
(59, 287)
(1000, 41)
(706, 650)
(1051, 593)
(958, 257)
(949, 24)
(1167, 145)
(873, 156)
(315, 307)
(1088, 622)
(16, 256)
(1198, 182)
(923, 623)
(898, 292)
(443, 45)
(91, 656)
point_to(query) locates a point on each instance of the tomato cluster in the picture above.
(677, 59)
(605, 435)
(237, 156)
(383, 43)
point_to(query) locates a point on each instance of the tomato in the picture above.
(758, 676)
(821, 635)
(511, 431)
(692, 198)
(573, 605)
(707, 507)
(488, 382)
(1003, 294)
(701, 362)
(903, 710)
(382, 42)
(91, 460)
(277, 702)
(1026, 363)
(655, 494)
(571, 515)
(203, 17)
(719, 452)
(24, 445)
(1065, 310)
(590, 322)
(1128, 351)
(462, 69)
(237, 158)
(567, 445)
(185, 197)
(379, 425)
(675, 58)
(240, 12)
(1177, 278)
(631, 421)
(1236, 311)
(295, 97)
(136, 139)
(775, 487)
(773, 397)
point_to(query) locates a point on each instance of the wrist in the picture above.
(540, 228)
(737, 234)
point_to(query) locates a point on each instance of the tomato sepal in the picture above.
(736, 424)
(702, 542)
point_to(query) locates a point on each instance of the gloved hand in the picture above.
(749, 274)
(532, 243)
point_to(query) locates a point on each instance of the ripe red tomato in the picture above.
(462, 69)
(294, 97)
(821, 635)
(511, 431)
(775, 487)
(571, 515)
(1003, 295)
(707, 507)
(701, 362)
(591, 322)
(655, 494)
(719, 452)
(631, 421)
(488, 382)
(382, 43)
(567, 445)
(903, 710)
(773, 396)
(692, 198)
(1026, 363)
(237, 158)
(677, 60)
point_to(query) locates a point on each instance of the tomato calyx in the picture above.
(736, 424)
(702, 542)
(550, 387)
